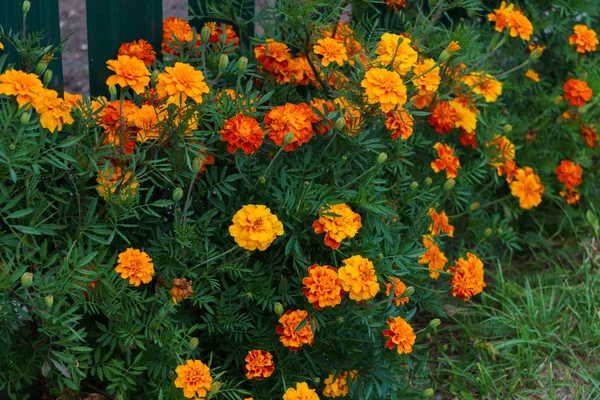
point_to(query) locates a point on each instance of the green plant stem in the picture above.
(215, 257)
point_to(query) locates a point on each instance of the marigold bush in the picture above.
(281, 216)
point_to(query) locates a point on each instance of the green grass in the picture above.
(534, 336)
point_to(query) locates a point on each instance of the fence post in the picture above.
(113, 22)
(42, 17)
(201, 14)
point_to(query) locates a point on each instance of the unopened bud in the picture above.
(427, 393)
(197, 165)
(434, 323)
(474, 206)
(193, 343)
(317, 380)
(340, 123)
(287, 138)
(262, 180)
(223, 62)
(242, 64)
(414, 185)
(154, 77)
(507, 128)
(450, 183)
(428, 181)
(27, 279)
(25, 117)
(278, 309)
(357, 59)
(340, 320)
(112, 90)
(409, 291)
(214, 389)
(500, 231)
(451, 48)
(47, 77)
(177, 194)
(487, 232)
(381, 158)
(26, 6)
(41, 68)
(535, 54)
(49, 301)
(205, 35)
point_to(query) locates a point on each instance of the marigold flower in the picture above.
(289, 334)
(446, 161)
(322, 286)
(384, 87)
(485, 85)
(434, 257)
(531, 74)
(351, 113)
(527, 187)
(324, 108)
(301, 392)
(1, 46)
(519, 25)
(194, 378)
(25, 87)
(439, 223)
(337, 386)
(577, 92)
(571, 196)
(466, 117)
(395, 5)
(242, 132)
(467, 279)
(427, 78)
(358, 278)
(298, 71)
(331, 51)
(569, 173)
(533, 46)
(181, 290)
(589, 135)
(130, 72)
(295, 118)
(345, 35)
(255, 227)
(259, 364)
(502, 150)
(176, 29)
(584, 38)
(400, 334)
(508, 168)
(344, 224)
(400, 122)
(399, 288)
(139, 49)
(147, 119)
(273, 56)
(111, 179)
(180, 82)
(468, 139)
(395, 49)
(136, 266)
(422, 99)
(73, 100)
(443, 117)
(500, 15)
(54, 111)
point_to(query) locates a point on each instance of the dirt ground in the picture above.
(75, 57)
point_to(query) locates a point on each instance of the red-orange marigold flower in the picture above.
(569, 173)
(400, 122)
(508, 168)
(467, 280)
(439, 223)
(340, 222)
(400, 334)
(468, 139)
(259, 364)
(395, 5)
(324, 108)
(577, 92)
(181, 290)
(289, 334)
(399, 287)
(242, 132)
(273, 56)
(322, 286)
(434, 257)
(443, 117)
(422, 99)
(500, 15)
(295, 118)
(446, 161)
(571, 196)
(589, 135)
(139, 49)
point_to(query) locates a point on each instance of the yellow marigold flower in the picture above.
(358, 278)
(571, 196)
(259, 364)
(585, 39)
(322, 286)
(194, 378)
(112, 178)
(400, 334)
(74, 100)
(147, 119)
(54, 111)
(181, 290)
(400, 122)
(180, 82)
(446, 161)
(434, 257)
(395, 49)
(301, 392)
(502, 150)
(289, 334)
(331, 51)
(1, 46)
(483, 84)
(136, 266)
(439, 223)
(384, 87)
(130, 72)
(531, 74)
(500, 16)
(338, 386)
(255, 227)
(424, 80)
(399, 288)
(467, 280)
(339, 221)
(527, 187)
(25, 87)
(519, 25)
(465, 117)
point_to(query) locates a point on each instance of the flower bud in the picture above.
(507, 128)
(428, 181)
(434, 323)
(193, 343)
(474, 206)
(262, 180)
(242, 64)
(177, 194)
(340, 123)
(451, 48)
(278, 309)
(205, 35)
(428, 393)
(500, 231)
(487, 232)
(26, 6)
(357, 59)
(535, 54)
(414, 185)
(287, 138)
(197, 165)
(47, 77)
(27, 279)
(25, 117)
(449, 185)
(317, 380)
(41, 68)
(214, 389)
(409, 291)
(154, 77)
(49, 301)
(381, 158)
(112, 90)
(223, 62)
(340, 320)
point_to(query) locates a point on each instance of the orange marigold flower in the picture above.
(434, 257)
(443, 117)
(324, 108)
(176, 29)
(427, 78)
(337, 386)
(533, 46)
(483, 84)
(339, 221)
(569, 173)
(531, 74)
(502, 150)
(384, 87)
(322, 286)
(351, 113)
(139, 49)
(422, 99)
(395, 5)
(577, 92)
(25, 87)
(181, 290)
(289, 334)
(301, 392)
(111, 178)
(358, 278)
(400, 334)
(136, 266)
(589, 135)
(519, 25)
(273, 56)
(295, 118)
(1, 46)
(446, 161)
(585, 39)
(500, 16)
(298, 71)
(399, 288)
(440, 223)
(194, 378)
(400, 122)
(255, 227)
(571, 196)
(508, 168)
(467, 279)
(466, 117)
(130, 72)
(147, 119)
(527, 187)
(259, 364)
(331, 51)
(180, 82)
(344, 34)
(74, 100)
(242, 132)
(468, 139)
(395, 49)
(54, 111)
